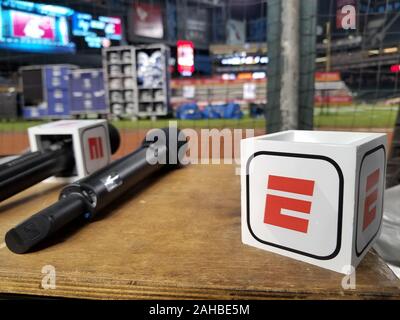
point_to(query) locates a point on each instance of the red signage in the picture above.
(116, 24)
(395, 68)
(185, 57)
(346, 14)
(327, 76)
(147, 20)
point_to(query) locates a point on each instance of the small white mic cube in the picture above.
(314, 196)
(90, 143)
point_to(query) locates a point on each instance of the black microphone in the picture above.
(34, 167)
(88, 196)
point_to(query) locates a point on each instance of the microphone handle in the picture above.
(44, 223)
(33, 169)
(7, 168)
(109, 183)
(86, 197)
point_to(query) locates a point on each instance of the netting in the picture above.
(356, 70)
(367, 60)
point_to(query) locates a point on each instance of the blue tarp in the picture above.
(212, 112)
(189, 111)
(224, 111)
(232, 111)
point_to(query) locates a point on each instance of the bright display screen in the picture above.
(34, 27)
(185, 57)
(96, 32)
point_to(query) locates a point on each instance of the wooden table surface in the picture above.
(177, 237)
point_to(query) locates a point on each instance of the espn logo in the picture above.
(371, 198)
(274, 203)
(371, 183)
(294, 212)
(95, 148)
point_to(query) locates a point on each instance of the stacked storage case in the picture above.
(153, 80)
(119, 65)
(45, 91)
(87, 92)
(137, 80)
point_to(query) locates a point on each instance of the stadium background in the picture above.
(356, 71)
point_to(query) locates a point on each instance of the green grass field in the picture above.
(352, 117)
(246, 122)
(359, 116)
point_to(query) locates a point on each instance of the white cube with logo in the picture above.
(90, 142)
(315, 196)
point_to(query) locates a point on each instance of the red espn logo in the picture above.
(274, 204)
(95, 148)
(371, 198)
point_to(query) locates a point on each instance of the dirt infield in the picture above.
(12, 143)
(16, 143)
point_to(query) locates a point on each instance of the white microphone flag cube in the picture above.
(313, 196)
(90, 141)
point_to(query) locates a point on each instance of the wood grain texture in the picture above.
(176, 237)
